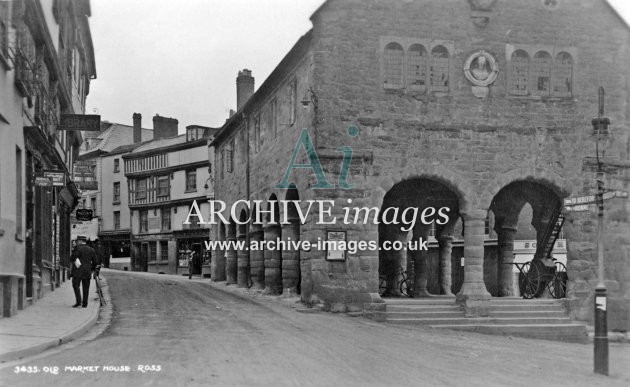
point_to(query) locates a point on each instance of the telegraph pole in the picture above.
(600, 350)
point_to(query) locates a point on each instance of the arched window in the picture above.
(439, 69)
(519, 73)
(417, 68)
(563, 75)
(393, 66)
(541, 74)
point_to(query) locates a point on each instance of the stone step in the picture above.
(425, 314)
(528, 313)
(420, 301)
(520, 300)
(480, 321)
(563, 332)
(525, 307)
(423, 308)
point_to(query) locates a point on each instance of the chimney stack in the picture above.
(164, 127)
(244, 87)
(137, 128)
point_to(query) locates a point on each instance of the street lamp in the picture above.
(600, 344)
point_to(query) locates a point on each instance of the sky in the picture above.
(180, 58)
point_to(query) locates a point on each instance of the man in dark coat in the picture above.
(81, 275)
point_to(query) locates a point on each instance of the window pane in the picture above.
(519, 67)
(541, 74)
(416, 67)
(563, 75)
(439, 69)
(393, 63)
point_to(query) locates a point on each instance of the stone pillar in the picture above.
(217, 265)
(420, 263)
(273, 261)
(506, 257)
(257, 259)
(230, 256)
(446, 247)
(473, 295)
(290, 257)
(242, 262)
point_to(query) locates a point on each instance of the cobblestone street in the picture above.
(199, 335)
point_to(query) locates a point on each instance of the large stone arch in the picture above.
(242, 274)
(290, 233)
(421, 193)
(545, 198)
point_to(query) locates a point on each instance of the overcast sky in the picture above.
(180, 58)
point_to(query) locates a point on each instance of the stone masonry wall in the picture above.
(475, 145)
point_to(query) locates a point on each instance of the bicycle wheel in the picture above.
(558, 284)
(529, 280)
(406, 288)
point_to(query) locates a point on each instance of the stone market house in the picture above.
(164, 177)
(481, 107)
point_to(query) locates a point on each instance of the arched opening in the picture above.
(528, 215)
(404, 242)
(272, 255)
(256, 256)
(291, 267)
(242, 274)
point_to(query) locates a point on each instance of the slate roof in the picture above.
(112, 136)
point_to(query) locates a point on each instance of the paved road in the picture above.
(198, 335)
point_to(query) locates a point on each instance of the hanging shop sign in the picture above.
(84, 215)
(42, 181)
(58, 178)
(85, 122)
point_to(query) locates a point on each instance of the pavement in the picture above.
(49, 322)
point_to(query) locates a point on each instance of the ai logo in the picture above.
(314, 164)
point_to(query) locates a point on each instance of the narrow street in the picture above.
(198, 335)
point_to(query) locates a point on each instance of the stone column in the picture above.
(290, 257)
(506, 257)
(242, 263)
(273, 261)
(257, 259)
(420, 263)
(217, 265)
(446, 247)
(473, 295)
(230, 256)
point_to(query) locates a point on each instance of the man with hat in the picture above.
(83, 258)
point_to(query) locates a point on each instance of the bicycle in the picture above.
(403, 284)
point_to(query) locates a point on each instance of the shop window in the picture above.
(541, 74)
(393, 66)
(519, 72)
(93, 205)
(416, 68)
(439, 69)
(163, 250)
(563, 75)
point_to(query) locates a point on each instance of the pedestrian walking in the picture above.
(83, 259)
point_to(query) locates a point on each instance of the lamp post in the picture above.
(600, 350)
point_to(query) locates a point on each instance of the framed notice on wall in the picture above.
(335, 245)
